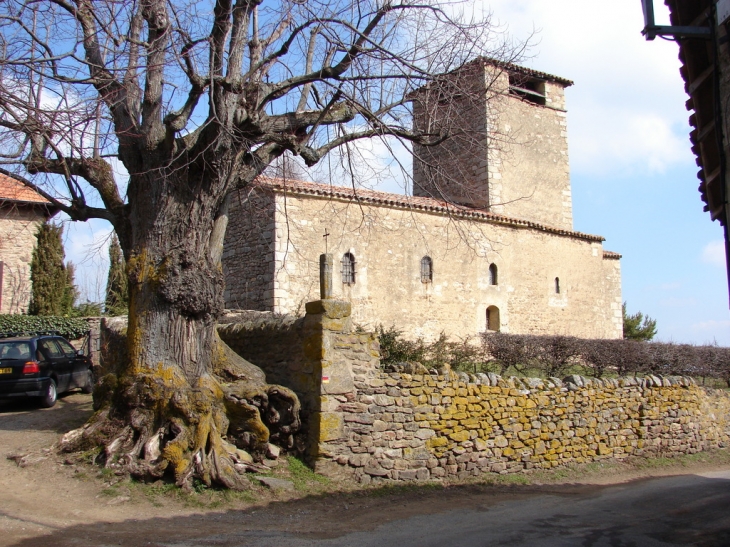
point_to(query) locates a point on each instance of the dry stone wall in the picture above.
(401, 426)
(315, 356)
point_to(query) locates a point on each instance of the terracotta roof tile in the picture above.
(611, 255)
(12, 189)
(410, 202)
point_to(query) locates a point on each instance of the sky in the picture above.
(633, 173)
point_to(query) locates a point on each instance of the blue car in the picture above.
(41, 366)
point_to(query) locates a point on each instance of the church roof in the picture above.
(399, 201)
(11, 189)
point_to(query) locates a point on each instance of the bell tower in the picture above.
(500, 142)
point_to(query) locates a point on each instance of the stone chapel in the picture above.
(485, 243)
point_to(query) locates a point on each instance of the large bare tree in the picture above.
(147, 113)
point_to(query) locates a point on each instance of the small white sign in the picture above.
(723, 11)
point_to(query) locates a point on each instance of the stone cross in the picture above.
(325, 276)
(325, 236)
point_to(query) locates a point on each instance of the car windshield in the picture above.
(14, 350)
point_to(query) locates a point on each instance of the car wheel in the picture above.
(88, 386)
(49, 399)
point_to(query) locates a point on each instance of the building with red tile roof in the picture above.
(22, 211)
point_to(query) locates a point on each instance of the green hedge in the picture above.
(68, 327)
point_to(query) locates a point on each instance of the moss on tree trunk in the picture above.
(180, 402)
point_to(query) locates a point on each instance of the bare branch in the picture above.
(158, 25)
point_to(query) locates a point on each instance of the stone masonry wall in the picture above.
(533, 181)
(388, 244)
(18, 227)
(314, 356)
(455, 169)
(503, 152)
(248, 256)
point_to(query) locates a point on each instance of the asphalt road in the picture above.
(679, 510)
(682, 510)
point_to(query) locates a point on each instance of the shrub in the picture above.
(509, 350)
(395, 349)
(459, 355)
(555, 355)
(68, 327)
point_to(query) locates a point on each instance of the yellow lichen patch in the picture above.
(176, 453)
(210, 385)
(141, 269)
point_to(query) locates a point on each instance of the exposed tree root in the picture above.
(155, 424)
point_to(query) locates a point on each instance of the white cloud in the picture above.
(712, 331)
(612, 139)
(712, 324)
(626, 110)
(714, 253)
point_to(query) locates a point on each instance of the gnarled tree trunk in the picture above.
(183, 403)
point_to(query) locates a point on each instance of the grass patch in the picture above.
(87, 457)
(106, 473)
(519, 479)
(714, 457)
(303, 477)
(309, 484)
(200, 497)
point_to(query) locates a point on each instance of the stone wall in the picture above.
(456, 169)
(315, 356)
(533, 180)
(248, 256)
(18, 226)
(401, 426)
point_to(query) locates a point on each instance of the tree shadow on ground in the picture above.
(71, 411)
(680, 510)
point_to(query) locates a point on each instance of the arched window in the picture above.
(493, 280)
(426, 269)
(493, 318)
(348, 269)
(557, 285)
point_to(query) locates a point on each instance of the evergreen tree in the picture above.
(638, 327)
(53, 291)
(117, 291)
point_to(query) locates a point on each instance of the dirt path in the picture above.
(54, 501)
(48, 495)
